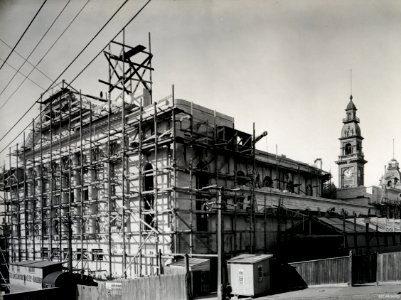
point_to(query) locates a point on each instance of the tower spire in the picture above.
(350, 79)
(351, 160)
(393, 148)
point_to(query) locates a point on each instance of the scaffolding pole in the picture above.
(11, 207)
(109, 183)
(124, 262)
(33, 188)
(25, 200)
(156, 174)
(69, 224)
(41, 181)
(140, 183)
(18, 206)
(82, 183)
(50, 182)
(60, 174)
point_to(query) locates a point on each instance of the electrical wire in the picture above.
(19, 120)
(26, 29)
(87, 45)
(100, 52)
(32, 51)
(26, 76)
(44, 55)
(26, 112)
(31, 64)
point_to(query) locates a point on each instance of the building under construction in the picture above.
(109, 183)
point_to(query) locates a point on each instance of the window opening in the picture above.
(348, 149)
(268, 182)
(148, 198)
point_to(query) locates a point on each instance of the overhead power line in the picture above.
(44, 55)
(87, 45)
(100, 52)
(26, 29)
(26, 76)
(32, 51)
(26, 112)
(31, 64)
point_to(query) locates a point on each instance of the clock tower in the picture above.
(351, 159)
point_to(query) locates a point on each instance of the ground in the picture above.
(367, 291)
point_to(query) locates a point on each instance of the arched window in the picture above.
(257, 181)
(148, 198)
(241, 179)
(202, 180)
(267, 181)
(347, 149)
(290, 186)
(309, 190)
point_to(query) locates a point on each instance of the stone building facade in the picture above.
(125, 184)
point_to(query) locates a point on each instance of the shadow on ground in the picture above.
(284, 278)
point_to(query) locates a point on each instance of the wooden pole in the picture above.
(350, 269)
(188, 276)
(220, 247)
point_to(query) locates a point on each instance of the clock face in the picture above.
(348, 173)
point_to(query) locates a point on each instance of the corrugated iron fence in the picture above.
(164, 287)
(389, 266)
(336, 270)
(104, 291)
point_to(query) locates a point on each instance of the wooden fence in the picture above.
(388, 267)
(328, 271)
(364, 268)
(164, 287)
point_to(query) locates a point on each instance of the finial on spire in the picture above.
(350, 97)
(350, 71)
(393, 148)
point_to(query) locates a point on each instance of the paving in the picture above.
(366, 291)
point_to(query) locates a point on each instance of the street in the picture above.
(367, 291)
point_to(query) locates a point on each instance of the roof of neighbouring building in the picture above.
(339, 225)
(36, 263)
(59, 279)
(249, 258)
(195, 264)
(375, 224)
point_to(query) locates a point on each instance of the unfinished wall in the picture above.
(136, 182)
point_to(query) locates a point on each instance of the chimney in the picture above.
(147, 100)
(318, 163)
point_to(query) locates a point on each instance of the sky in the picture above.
(284, 65)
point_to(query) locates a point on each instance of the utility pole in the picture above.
(220, 206)
(69, 243)
(220, 247)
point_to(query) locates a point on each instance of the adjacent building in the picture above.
(28, 275)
